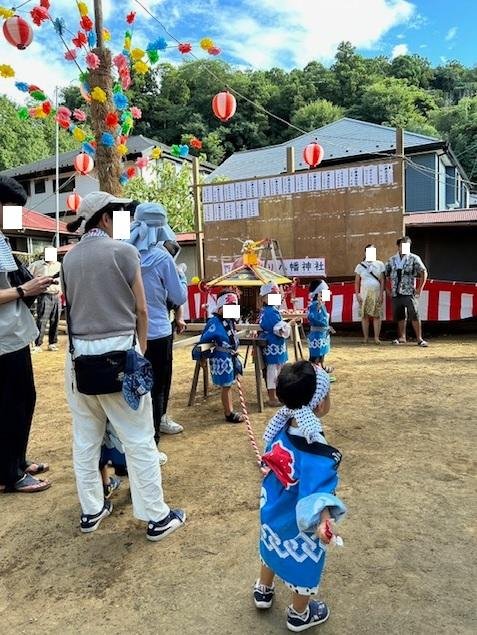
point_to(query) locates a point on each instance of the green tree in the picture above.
(316, 114)
(23, 141)
(351, 75)
(171, 188)
(458, 124)
(414, 68)
(393, 101)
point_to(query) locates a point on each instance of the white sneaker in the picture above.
(168, 426)
(423, 343)
(36, 349)
(162, 458)
(53, 347)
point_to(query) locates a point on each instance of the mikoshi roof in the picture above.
(248, 276)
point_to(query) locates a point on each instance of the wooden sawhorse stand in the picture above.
(204, 365)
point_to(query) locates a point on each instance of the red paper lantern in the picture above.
(18, 32)
(73, 202)
(313, 154)
(224, 106)
(84, 163)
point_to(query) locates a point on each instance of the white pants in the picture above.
(135, 430)
(273, 370)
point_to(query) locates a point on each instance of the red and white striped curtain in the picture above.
(440, 301)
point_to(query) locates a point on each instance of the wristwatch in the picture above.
(21, 292)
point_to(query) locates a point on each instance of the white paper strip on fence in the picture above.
(444, 305)
(466, 304)
(337, 309)
(424, 305)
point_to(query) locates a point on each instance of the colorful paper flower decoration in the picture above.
(183, 150)
(122, 149)
(59, 25)
(82, 8)
(89, 149)
(23, 113)
(157, 45)
(156, 153)
(63, 112)
(185, 47)
(142, 162)
(123, 179)
(127, 126)
(22, 86)
(45, 3)
(131, 17)
(175, 150)
(196, 143)
(206, 43)
(38, 95)
(153, 56)
(141, 67)
(47, 107)
(125, 78)
(91, 39)
(92, 61)
(131, 172)
(6, 13)
(79, 134)
(86, 23)
(136, 112)
(39, 15)
(214, 50)
(120, 61)
(98, 94)
(106, 35)
(39, 113)
(107, 139)
(112, 119)
(70, 55)
(120, 101)
(6, 70)
(63, 123)
(79, 115)
(80, 39)
(137, 54)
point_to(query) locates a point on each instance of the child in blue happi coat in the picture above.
(319, 342)
(276, 332)
(224, 362)
(298, 501)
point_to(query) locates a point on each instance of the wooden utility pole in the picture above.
(107, 160)
(199, 229)
(401, 169)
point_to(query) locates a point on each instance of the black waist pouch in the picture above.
(100, 374)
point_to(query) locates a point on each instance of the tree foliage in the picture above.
(171, 188)
(176, 102)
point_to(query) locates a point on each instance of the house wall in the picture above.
(448, 252)
(421, 194)
(46, 202)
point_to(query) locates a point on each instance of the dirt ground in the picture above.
(404, 418)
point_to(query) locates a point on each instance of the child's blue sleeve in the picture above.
(318, 481)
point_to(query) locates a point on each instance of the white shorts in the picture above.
(273, 370)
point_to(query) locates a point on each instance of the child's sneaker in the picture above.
(263, 595)
(91, 522)
(111, 487)
(316, 613)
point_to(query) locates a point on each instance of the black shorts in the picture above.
(405, 306)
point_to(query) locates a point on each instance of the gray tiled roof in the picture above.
(136, 145)
(341, 139)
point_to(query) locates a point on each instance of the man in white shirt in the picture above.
(369, 289)
(17, 387)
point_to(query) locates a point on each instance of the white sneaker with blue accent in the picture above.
(168, 426)
(316, 613)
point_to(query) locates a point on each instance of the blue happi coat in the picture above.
(301, 483)
(275, 352)
(224, 365)
(319, 335)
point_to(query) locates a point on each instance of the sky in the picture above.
(260, 33)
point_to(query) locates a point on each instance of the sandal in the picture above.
(397, 342)
(234, 417)
(29, 485)
(36, 468)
